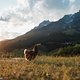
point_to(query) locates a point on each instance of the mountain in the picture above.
(44, 23)
(52, 35)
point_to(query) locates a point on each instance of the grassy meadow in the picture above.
(41, 68)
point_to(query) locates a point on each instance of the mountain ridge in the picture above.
(50, 34)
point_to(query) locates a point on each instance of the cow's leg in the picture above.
(25, 57)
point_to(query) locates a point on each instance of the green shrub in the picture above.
(69, 51)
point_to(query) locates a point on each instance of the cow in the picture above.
(31, 54)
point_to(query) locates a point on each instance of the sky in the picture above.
(20, 16)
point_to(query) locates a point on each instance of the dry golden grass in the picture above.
(41, 68)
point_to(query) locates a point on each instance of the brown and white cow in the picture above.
(31, 54)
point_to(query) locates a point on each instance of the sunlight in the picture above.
(1, 39)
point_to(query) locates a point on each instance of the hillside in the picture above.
(52, 35)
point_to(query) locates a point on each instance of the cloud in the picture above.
(29, 9)
(45, 9)
(74, 6)
(29, 13)
(56, 4)
(23, 2)
(72, 1)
